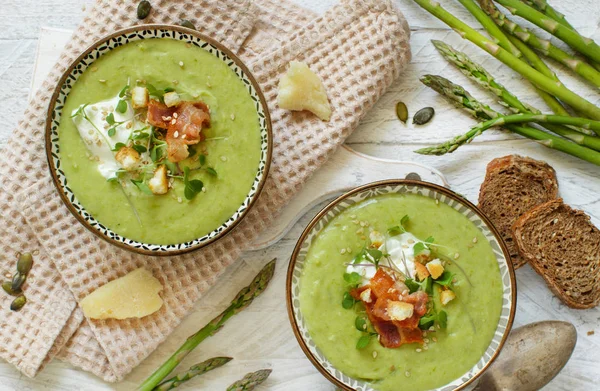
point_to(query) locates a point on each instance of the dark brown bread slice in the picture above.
(563, 246)
(513, 185)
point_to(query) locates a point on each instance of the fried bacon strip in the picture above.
(184, 124)
(383, 290)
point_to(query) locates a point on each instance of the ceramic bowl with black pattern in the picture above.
(158, 139)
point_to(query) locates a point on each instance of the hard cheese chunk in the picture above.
(301, 89)
(134, 295)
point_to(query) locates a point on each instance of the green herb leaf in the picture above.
(427, 285)
(80, 111)
(192, 187)
(442, 319)
(202, 159)
(429, 239)
(112, 179)
(348, 301)
(404, 221)
(360, 323)
(189, 193)
(172, 167)
(118, 146)
(445, 279)
(412, 285)
(211, 171)
(375, 254)
(139, 135)
(426, 321)
(122, 106)
(418, 248)
(363, 341)
(123, 91)
(399, 229)
(110, 119)
(196, 185)
(142, 186)
(111, 132)
(139, 148)
(352, 278)
(168, 89)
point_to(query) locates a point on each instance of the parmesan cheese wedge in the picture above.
(301, 89)
(134, 295)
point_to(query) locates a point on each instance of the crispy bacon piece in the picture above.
(184, 124)
(384, 289)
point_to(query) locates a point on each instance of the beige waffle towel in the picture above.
(358, 48)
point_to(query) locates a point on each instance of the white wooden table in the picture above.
(260, 336)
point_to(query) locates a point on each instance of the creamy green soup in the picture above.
(232, 149)
(472, 316)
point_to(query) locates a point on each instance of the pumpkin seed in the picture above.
(18, 281)
(7, 286)
(186, 23)
(143, 9)
(423, 116)
(401, 111)
(25, 263)
(18, 303)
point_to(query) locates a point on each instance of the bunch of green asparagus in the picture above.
(519, 48)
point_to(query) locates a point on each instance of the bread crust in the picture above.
(503, 218)
(543, 266)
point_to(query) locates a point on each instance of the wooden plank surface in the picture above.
(261, 337)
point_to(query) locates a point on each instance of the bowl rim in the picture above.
(48, 139)
(396, 182)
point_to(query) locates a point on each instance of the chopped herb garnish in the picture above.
(123, 91)
(202, 159)
(192, 187)
(139, 148)
(142, 186)
(211, 171)
(413, 285)
(111, 132)
(399, 229)
(419, 248)
(118, 146)
(352, 278)
(121, 106)
(360, 323)
(159, 94)
(110, 119)
(348, 301)
(363, 341)
(445, 279)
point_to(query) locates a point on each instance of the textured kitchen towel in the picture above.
(358, 48)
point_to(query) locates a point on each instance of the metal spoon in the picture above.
(531, 357)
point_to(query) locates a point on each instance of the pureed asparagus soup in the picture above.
(401, 291)
(160, 141)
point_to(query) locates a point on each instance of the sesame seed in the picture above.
(363, 237)
(425, 347)
(175, 82)
(208, 85)
(374, 354)
(431, 328)
(94, 69)
(349, 249)
(233, 117)
(418, 350)
(223, 158)
(426, 340)
(360, 231)
(174, 115)
(183, 137)
(36, 252)
(362, 223)
(407, 373)
(181, 64)
(179, 200)
(456, 255)
(174, 121)
(129, 125)
(353, 216)
(437, 202)
(7, 275)
(555, 221)
(474, 240)
(424, 333)
(434, 339)
(204, 189)
(176, 134)
(102, 81)
(355, 222)
(410, 241)
(91, 131)
(343, 251)
(95, 108)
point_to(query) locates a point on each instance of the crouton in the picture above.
(128, 157)
(139, 97)
(172, 99)
(399, 310)
(159, 183)
(435, 268)
(366, 295)
(422, 272)
(447, 296)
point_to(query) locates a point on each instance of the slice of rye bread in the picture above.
(563, 246)
(513, 185)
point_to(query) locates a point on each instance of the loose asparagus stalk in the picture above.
(518, 49)
(545, 8)
(461, 98)
(543, 46)
(544, 82)
(480, 75)
(583, 45)
(196, 370)
(241, 301)
(250, 381)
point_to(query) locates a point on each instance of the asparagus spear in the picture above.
(518, 49)
(583, 45)
(241, 301)
(461, 98)
(250, 381)
(196, 370)
(544, 46)
(544, 82)
(545, 8)
(477, 73)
